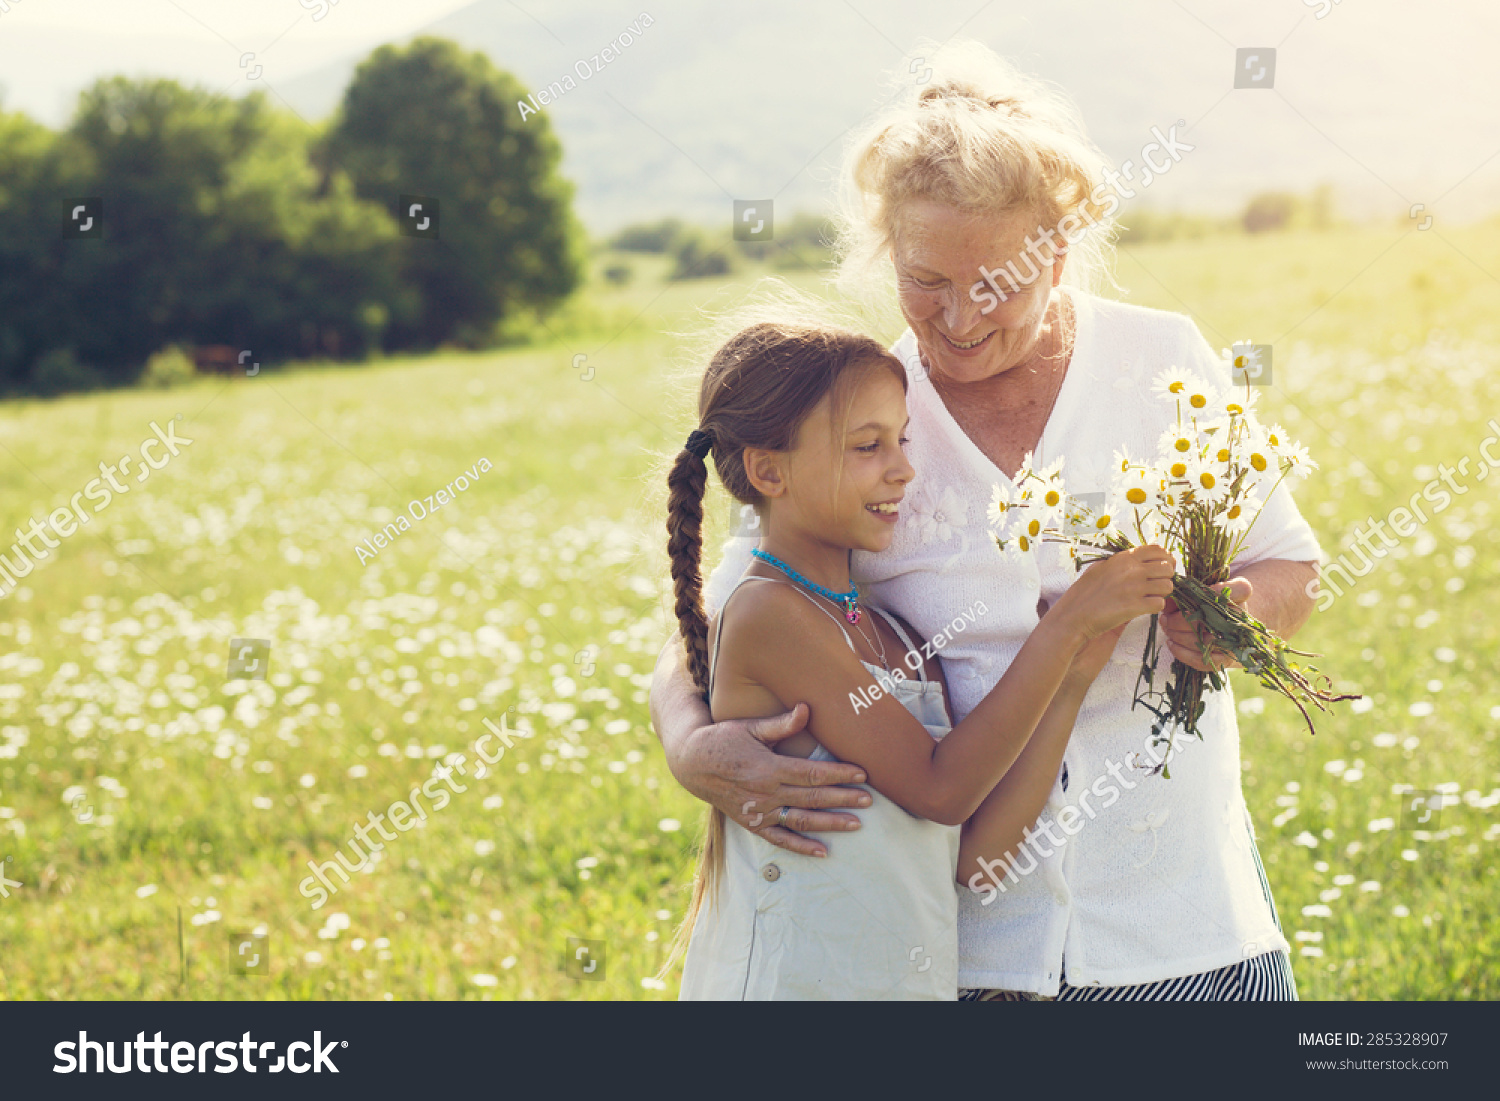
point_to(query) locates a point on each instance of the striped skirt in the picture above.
(1263, 978)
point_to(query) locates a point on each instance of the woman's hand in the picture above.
(1182, 636)
(731, 766)
(1111, 593)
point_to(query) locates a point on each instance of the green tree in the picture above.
(698, 255)
(649, 236)
(432, 120)
(28, 243)
(216, 229)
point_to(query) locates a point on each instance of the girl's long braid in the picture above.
(687, 482)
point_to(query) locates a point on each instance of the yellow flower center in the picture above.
(1258, 461)
(1234, 512)
(1223, 454)
(1034, 528)
(1136, 496)
(1023, 542)
(1176, 388)
(1102, 522)
(1274, 441)
(1197, 401)
(1179, 470)
(1207, 480)
(1235, 409)
(1052, 498)
(1182, 444)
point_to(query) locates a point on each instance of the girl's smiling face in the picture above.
(843, 480)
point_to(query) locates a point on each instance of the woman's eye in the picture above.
(904, 440)
(869, 447)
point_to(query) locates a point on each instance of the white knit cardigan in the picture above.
(1154, 878)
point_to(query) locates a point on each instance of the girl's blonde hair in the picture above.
(758, 389)
(981, 137)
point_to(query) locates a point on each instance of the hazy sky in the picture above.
(1392, 102)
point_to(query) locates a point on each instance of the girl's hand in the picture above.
(1091, 661)
(1111, 593)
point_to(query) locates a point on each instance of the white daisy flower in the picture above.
(1277, 439)
(1180, 442)
(1172, 384)
(1201, 399)
(1235, 520)
(1297, 459)
(1208, 482)
(1019, 545)
(1051, 472)
(1139, 486)
(1243, 357)
(1000, 508)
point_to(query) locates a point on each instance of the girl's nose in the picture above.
(903, 471)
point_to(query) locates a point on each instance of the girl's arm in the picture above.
(997, 827)
(794, 651)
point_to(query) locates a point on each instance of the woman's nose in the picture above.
(960, 311)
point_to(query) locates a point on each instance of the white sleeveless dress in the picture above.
(877, 918)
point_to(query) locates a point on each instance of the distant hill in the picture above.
(712, 103)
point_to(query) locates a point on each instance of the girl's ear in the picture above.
(766, 471)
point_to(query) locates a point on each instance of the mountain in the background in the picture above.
(713, 103)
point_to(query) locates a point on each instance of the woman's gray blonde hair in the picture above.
(984, 138)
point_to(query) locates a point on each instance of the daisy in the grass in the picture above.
(1198, 496)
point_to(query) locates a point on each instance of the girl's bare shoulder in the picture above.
(773, 621)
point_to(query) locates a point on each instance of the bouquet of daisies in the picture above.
(1198, 496)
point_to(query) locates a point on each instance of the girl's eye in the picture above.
(869, 447)
(904, 440)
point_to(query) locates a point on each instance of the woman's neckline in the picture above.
(1081, 320)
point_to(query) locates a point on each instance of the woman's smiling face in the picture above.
(939, 253)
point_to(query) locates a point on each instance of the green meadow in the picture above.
(154, 811)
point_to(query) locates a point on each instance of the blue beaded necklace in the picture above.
(850, 599)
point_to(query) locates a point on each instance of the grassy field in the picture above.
(140, 787)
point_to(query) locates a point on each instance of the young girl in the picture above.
(806, 424)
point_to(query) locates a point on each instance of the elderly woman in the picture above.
(977, 194)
